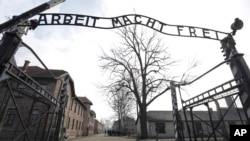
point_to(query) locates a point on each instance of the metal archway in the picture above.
(12, 38)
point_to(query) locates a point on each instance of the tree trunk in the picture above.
(143, 121)
(119, 124)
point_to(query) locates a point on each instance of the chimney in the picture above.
(26, 65)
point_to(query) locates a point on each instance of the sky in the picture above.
(77, 49)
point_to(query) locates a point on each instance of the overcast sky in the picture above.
(76, 49)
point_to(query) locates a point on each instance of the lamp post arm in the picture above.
(16, 20)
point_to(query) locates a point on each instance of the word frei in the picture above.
(125, 20)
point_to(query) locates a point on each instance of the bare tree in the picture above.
(121, 103)
(140, 64)
(106, 123)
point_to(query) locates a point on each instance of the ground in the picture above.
(102, 137)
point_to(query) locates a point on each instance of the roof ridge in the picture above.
(37, 71)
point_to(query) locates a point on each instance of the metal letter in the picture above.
(78, 18)
(162, 24)
(42, 18)
(205, 31)
(94, 22)
(55, 18)
(126, 20)
(192, 32)
(136, 20)
(151, 21)
(67, 19)
(179, 28)
(116, 21)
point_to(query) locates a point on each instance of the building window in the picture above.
(68, 123)
(18, 94)
(41, 90)
(76, 124)
(82, 126)
(34, 117)
(160, 127)
(73, 124)
(79, 127)
(79, 109)
(44, 88)
(75, 107)
(21, 88)
(198, 128)
(72, 105)
(9, 119)
(66, 101)
(54, 121)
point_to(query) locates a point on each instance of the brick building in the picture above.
(98, 127)
(92, 122)
(89, 117)
(27, 114)
(74, 114)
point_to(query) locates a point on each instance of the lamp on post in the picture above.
(237, 25)
(238, 67)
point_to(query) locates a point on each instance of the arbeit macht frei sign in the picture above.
(124, 20)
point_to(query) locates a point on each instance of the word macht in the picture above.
(125, 20)
(239, 132)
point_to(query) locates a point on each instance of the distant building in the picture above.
(162, 122)
(92, 122)
(98, 127)
(127, 125)
(74, 116)
(89, 117)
